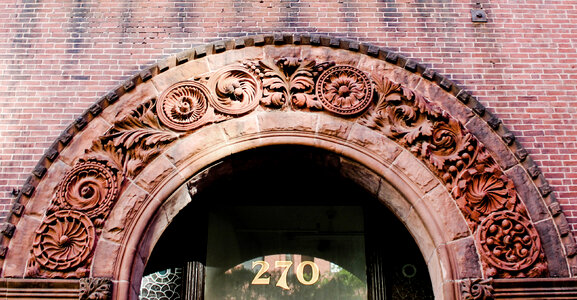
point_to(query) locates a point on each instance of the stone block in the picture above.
(240, 127)
(418, 173)
(287, 121)
(195, 143)
(492, 142)
(333, 126)
(553, 249)
(528, 193)
(20, 246)
(443, 207)
(154, 173)
(106, 256)
(448, 102)
(465, 258)
(83, 140)
(46, 189)
(385, 148)
(124, 212)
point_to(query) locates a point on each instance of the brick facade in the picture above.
(58, 57)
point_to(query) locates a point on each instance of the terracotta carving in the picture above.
(95, 289)
(63, 246)
(483, 190)
(182, 106)
(510, 246)
(235, 90)
(477, 289)
(289, 78)
(344, 90)
(134, 140)
(90, 187)
(485, 195)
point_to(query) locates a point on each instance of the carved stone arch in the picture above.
(462, 180)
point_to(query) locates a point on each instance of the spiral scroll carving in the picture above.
(63, 243)
(344, 90)
(235, 90)
(510, 243)
(183, 105)
(90, 187)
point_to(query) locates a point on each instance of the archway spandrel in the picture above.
(413, 131)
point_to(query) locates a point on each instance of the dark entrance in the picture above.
(244, 229)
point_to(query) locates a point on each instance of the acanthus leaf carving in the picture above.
(135, 140)
(477, 289)
(289, 79)
(95, 288)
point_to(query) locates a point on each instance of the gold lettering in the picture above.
(314, 273)
(264, 267)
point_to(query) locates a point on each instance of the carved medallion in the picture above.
(182, 106)
(508, 242)
(235, 90)
(64, 241)
(344, 90)
(481, 191)
(90, 187)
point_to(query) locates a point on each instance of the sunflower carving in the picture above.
(344, 90)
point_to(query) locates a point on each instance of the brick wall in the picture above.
(58, 57)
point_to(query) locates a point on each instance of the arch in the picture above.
(459, 174)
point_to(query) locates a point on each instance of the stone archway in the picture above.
(466, 188)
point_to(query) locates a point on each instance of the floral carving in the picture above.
(484, 190)
(90, 187)
(344, 90)
(95, 289)
(477, 289)
(182, 106)
(235, 90)
(510, 246)
(62, 246)
(289, 78)
(135, 140)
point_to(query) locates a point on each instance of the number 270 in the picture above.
(258, 279)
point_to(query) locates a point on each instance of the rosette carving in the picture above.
(235, 90)
(90, 187)
(182, 106)
(344, 90)
(510, 246)
(482, 190)
(62, 246)
(477, 289)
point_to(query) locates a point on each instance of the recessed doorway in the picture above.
(282, 222)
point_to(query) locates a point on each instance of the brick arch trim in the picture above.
(281, 74)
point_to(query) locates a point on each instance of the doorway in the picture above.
(281, 222)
